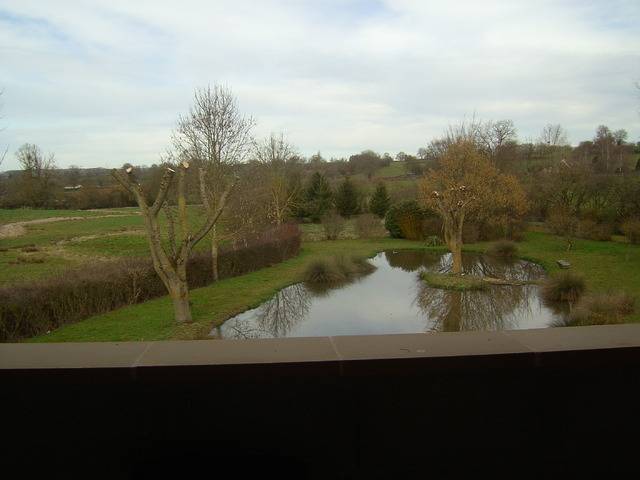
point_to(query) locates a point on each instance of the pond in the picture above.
(393, 299)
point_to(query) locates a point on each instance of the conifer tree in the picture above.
(347, 198)
(380, 201)
(318, 197)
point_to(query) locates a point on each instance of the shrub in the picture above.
(631, 228)
(591, 230)
(32, 308)
(563, 287)
(333, 225)
(600, 309)
(562, 222)
(405, 219)
(369, 226)
(503, 248)
(30, 248)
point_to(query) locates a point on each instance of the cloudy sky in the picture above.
(101, 83)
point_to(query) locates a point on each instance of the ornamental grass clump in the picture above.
(324, 271)
(335, 270)
(563, 287)
(600, 309)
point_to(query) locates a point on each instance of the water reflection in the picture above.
(393, 299)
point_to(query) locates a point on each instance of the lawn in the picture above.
(606, 266)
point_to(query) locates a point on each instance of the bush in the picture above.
(563, 287)
(591, 230)
(631, 229)
(503, 248)
(405, 219)
(369, 226)
(333, 225)
(33, 308)
(600, 309)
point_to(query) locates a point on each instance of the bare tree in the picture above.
(170, 261)
(214, 136)
(275, 155)
(553, 135)
(38, 170)
(495, 135)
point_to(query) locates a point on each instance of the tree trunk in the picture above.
(456, 251)
(214, 256)
(180, 297)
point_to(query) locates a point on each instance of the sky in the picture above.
(101, 83)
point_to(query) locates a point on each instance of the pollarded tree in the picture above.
(170, 260)
(467, 185)
(380, 201)
(347, 198)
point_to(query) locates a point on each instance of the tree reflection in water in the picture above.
(496, 308)
(274, 318)
(393, 299)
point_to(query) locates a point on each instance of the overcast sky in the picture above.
(101, 83)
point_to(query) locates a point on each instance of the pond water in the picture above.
(393, 299)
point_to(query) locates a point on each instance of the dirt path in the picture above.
(17, 229)
(85, 238)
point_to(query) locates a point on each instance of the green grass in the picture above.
(449, 281)
(605, 265)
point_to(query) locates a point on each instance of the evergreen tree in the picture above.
(380, 201)
(318, 197)
(347, 198)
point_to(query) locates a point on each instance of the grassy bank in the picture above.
(605, 265)
(213, 304)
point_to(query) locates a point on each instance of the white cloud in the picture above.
(101, 83)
